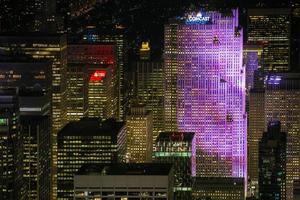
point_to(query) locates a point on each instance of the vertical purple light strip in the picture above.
(251, 66)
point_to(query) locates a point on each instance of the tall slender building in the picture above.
(149, 90)
(272, 163)
(256, 127)
(205, 89)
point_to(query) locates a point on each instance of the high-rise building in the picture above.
(171, 74)
(218, 188)
(282, 104)
(35, 134)
(92, 81)
(10, 165)
(116, 37)
(53, 48)
(149, 90)
(205, 89)
(256, 127)
(178, 149)
(102, 98)
(32, 78)
(124, 181)
(82, 142)
(272, 163)
(139, 129)
(271, 29)
(77, 106)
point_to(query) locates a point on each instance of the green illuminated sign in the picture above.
(175, 154)
(3, 122)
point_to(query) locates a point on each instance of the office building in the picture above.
(54, 49)
(149, 90)
(205, 90)
(92, 81)
(139, 139)
(35, 134)
(102, 99)
(124, 181)
(10, 162)
(82, 142)
(271, 29)
(256, 127)
(91, 35)
(272, 163)
(282, 104)
(218, 188)
(179, 149)
(32, 79)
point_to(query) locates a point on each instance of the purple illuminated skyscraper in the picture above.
(205, 90)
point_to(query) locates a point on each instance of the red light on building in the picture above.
(98, 75)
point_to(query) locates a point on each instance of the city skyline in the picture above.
(139, 99)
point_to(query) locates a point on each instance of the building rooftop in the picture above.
(269, 11)
(125, 169)
(175, 136)
(91, 126)
(217, 182)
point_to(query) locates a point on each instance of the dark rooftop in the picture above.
(91, 126)
(175, 136)
(217, 182)
(125, 169)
